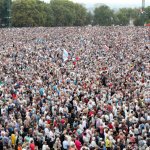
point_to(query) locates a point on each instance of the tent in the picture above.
(147, 25)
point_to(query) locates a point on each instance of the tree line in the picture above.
(33, 13)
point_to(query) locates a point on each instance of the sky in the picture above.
(113, 3)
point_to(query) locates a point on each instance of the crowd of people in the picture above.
(98, 98)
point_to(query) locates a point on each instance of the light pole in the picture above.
(143, 5)
(143, 12)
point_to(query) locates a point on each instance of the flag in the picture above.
(65, 55)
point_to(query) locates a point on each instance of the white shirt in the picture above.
(84, 147)
(111, 117)
(93, 144)
(86, 139)
(46, 130)
(45, 147)
(41, 123)
(83, 124)
(65, 144)
(52, 135)
(61, 110)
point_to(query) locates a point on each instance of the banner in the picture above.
(65, 55)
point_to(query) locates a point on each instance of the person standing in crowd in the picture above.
(77, 88)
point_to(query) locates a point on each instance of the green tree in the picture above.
(28, 13)
(5, 12)
(67, 13)
(142, 17)
(89, 18)
(124, 15)
(80, 15)
(1, 11)
(49, 17)
(63, 12)
(147, 14)
(138, 21)
(103, 16)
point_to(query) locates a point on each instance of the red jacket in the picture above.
(32, 146)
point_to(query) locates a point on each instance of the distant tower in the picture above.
(143, 5)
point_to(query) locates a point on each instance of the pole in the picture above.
(143, 5)
(143, 12)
